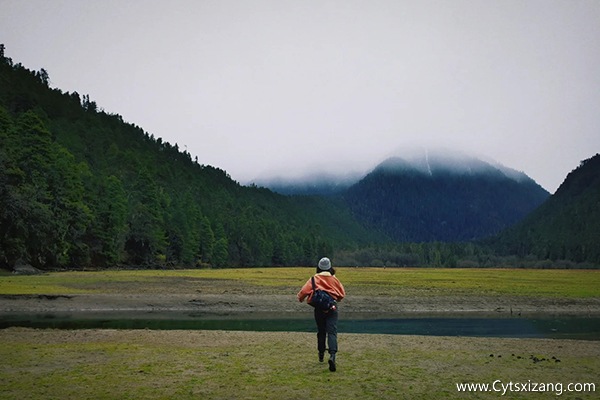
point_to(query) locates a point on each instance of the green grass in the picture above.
(358, 281)
(252, 365)
(144, 364)
(518, 282)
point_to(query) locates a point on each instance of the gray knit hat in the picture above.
(324, 264)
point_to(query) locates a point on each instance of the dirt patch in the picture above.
(233, 295)
(216, 303)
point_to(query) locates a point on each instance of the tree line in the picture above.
(566, 227)
(82, 188)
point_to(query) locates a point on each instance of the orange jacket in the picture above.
(324, 281)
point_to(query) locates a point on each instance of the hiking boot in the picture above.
(332, 362)
(321, 356)
(332, 365)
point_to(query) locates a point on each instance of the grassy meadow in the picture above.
(150, 364)
(147, 364)
(358, 281)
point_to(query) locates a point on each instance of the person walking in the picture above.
(326, 320)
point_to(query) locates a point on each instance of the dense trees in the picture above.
(82, 188)
(567, 226)
(443, 202)
(43, 213)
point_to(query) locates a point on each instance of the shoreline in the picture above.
(254, 304)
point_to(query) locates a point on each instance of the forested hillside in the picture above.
(83, 188)
(567, 226)
(442, 197)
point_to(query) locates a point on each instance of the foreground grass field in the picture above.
(358, 281)
(147, 364)
(111, 364)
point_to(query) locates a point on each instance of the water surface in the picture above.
(517, 327)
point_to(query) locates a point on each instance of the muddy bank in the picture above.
(261, 303)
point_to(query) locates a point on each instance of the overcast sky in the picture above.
(279, 87)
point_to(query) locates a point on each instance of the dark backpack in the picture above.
(321, 299)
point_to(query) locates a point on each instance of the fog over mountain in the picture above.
(252, 87)
(316, 183)
(440, 161)
(421, 160)
(423, 194)
(442, 196)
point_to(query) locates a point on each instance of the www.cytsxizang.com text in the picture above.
(503, 388)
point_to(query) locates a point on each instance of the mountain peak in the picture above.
(432, 163)
(443, 196)
(440, 162)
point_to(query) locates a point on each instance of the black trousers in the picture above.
(326, 329)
